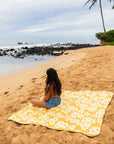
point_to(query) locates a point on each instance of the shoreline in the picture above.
(36, 51)
(13, 80)
(27, 67)
(80, 70)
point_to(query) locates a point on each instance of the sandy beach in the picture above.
(82, 69)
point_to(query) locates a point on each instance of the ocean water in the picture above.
(10, 65)
(7, 44)
(29, 43)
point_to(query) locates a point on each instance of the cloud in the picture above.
(70, 21)
(51, 18)
(12, 9)
(24, 13)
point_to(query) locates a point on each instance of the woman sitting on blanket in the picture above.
(52, 91)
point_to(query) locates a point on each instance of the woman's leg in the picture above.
(39, 103)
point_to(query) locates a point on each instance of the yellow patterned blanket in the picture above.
(79, 111)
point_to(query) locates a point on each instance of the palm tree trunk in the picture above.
(102, 15)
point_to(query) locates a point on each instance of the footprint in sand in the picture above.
(21, 86)
(34, 79)
(6, 92)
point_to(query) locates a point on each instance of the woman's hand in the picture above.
(42, 98)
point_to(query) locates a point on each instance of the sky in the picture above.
(53, 20)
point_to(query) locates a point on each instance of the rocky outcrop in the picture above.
(53, 50)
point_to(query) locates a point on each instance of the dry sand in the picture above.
(83, 69)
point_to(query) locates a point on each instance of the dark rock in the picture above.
(54, 50)
(4, 53)
(56, 54)
(25, 48)
(19, 43)
(1, 54)
(65, 53)
(12, 49)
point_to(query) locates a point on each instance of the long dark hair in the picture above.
(53, 80)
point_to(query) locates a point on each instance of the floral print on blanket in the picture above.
(79, 111)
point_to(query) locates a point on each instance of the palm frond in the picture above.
(92, 1)
(111, 1)
(87, 2)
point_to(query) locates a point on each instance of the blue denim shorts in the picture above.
(53, 102)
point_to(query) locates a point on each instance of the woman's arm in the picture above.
(47, 94)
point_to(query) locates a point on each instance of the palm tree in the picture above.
(100, 5)
(111, 1)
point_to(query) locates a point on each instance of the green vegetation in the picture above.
(109, 43)
(106, 36)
